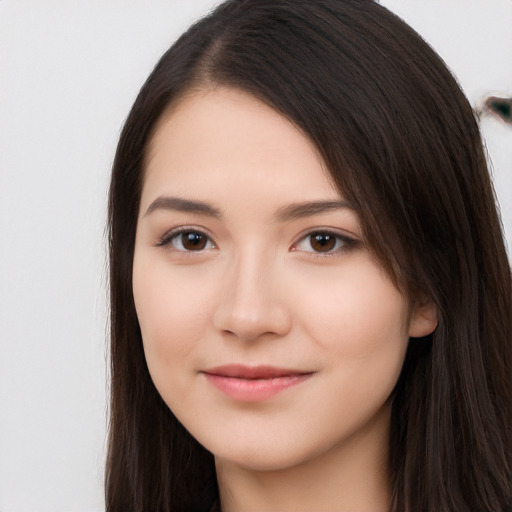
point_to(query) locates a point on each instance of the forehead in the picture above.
(219, 143)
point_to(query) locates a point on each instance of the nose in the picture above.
(252, 301)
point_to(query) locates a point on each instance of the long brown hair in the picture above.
(401, 142)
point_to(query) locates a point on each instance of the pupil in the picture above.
(322, 242)
(193, 241)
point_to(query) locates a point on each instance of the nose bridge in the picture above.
(251, 304)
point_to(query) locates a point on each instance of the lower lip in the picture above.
(254, 390)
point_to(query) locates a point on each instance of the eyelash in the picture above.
(347, 243)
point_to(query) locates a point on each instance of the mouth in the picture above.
(253, 383)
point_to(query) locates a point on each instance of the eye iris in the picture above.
(322, 242)
(193, 241)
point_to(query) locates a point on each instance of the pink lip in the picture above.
(253, 383)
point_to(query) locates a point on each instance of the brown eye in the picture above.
(326, 243)
(192, 241)
(322, 242)
(187, 241)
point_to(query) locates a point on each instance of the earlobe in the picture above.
(423, 319)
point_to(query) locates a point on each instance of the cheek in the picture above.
(358, 318)
(360, 327)
(172, 312)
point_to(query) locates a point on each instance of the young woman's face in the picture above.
(268, 327)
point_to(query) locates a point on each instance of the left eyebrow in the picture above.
(183, 205)
(307, 209)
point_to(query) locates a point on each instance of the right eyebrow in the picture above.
(183, 205)
(308, 209)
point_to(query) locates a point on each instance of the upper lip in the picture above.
(240, 371)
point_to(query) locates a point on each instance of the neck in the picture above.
(350, 477)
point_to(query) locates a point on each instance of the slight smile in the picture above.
(253, 383)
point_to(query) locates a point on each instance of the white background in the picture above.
(69, 72)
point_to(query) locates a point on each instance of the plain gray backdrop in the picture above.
(70, 71)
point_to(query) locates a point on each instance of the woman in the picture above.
(311, 299)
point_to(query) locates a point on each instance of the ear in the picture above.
(423, 319)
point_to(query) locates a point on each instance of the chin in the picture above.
(264, 452)
(266, 458)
